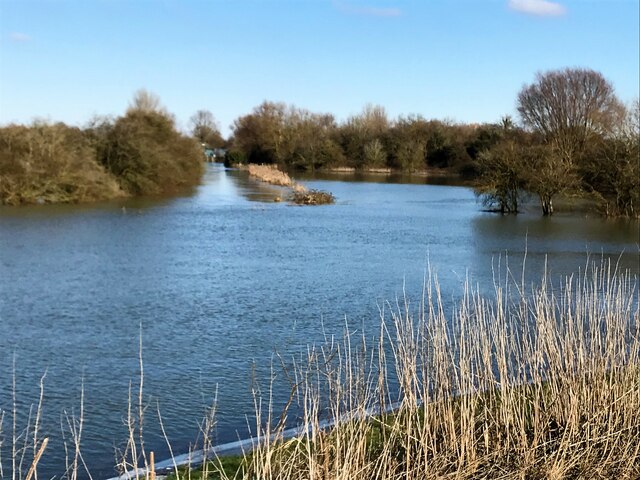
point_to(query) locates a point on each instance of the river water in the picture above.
(219, 279)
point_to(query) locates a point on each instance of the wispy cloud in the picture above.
(19, 37)
(367, 10)
(540, 8)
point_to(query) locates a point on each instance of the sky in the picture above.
(461, 60)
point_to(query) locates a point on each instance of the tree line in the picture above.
(138, 153)
(574, 137)
(291, 137)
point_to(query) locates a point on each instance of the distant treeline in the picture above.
(574, 138)
(138, 153)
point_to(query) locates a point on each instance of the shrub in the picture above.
(312, 197)
(45, 163)
(234, 157)
(148, 155)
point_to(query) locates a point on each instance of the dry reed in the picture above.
(270, 174)
(299, 195)
(538, 384)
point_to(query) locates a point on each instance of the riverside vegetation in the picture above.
(539, 382)
(140, 153)
(575, 139)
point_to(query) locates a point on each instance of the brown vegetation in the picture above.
(312, 197)
(139, 153)
(50, 163)
(270, 174)
(575, 138)
(539, 384)
(299, 195)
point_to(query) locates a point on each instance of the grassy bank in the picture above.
(537, 386)
(532, 382)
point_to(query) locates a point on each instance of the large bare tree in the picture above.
(568, 107)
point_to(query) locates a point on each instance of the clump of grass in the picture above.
(270, 174)
(299, 195)
(312, 197)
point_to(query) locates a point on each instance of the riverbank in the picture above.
(139, 153)
(478, 395)
(432, 172)
(464, 393)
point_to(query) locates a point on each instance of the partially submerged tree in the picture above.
(611, 170)
(501, 177)
(547, 174)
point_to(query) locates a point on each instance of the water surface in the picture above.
(221, 278)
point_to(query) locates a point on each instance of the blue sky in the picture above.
(463, 60)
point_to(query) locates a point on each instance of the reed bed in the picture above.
(299, 194)
(529, 383)
(526, 385)
(270, 174)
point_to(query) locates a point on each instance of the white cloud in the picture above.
(367, 10)
(19, 37)
(541, 8)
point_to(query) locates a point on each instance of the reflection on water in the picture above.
(220, 281)
(373, 177)
(561, 243)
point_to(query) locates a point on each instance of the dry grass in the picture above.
(299, 195)
(537, 384)
(270, 174)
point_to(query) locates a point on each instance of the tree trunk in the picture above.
(547, 205)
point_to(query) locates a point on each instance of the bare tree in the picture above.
(145, 101)
(204, 128)
(374, 154)
(548, 174)
(501, 177)
(568, 107)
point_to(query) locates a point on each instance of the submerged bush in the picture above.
(234, 158)
(312, 197)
